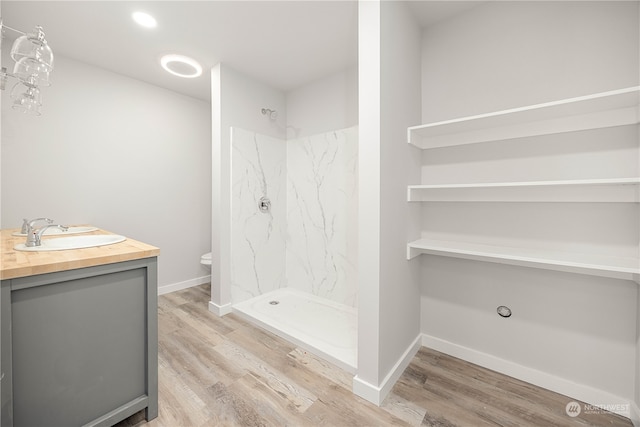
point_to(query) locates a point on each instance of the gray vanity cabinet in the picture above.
(80, 347)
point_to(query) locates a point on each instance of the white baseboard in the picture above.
(376, 394)
(584, 393)
(183, 285)
(635, 414)
(220, 310)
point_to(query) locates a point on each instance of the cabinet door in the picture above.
(6, 414)
(78, 348)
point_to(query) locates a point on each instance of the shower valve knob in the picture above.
(264, 205)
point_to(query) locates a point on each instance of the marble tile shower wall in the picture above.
(322, 215)
(258, 169)
(309, 239)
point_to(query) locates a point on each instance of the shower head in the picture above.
(272, 114)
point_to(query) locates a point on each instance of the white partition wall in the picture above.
(635, 409)
(367, 380)
(389, 101)
(635, 405)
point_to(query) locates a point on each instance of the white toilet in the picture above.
(206, 259)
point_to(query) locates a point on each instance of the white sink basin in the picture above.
(57, 231)
(73, 242)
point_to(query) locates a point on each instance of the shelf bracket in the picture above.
(413, 252)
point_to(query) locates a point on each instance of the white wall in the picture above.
(508, 54)
(505, 54)
(635, 411)
(116, 153)
(389, 101)
(1, 371)
(400, 108)
(324, 105)
(236, 101)
(562, 325)
(369, 141)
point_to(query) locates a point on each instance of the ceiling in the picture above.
(284, 44)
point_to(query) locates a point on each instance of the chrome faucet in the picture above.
(26, 223)
(34, 236)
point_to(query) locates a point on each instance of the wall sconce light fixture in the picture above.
(33, 64)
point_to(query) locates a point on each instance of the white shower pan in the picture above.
(320, 326)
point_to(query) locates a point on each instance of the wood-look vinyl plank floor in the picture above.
(227, 372)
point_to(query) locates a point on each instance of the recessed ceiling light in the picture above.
(144, 19)
(181, 66)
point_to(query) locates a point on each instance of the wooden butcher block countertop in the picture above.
(14, 264)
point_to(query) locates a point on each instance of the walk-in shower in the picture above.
(294, 238)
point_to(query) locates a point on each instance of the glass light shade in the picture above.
(19, 89)
(4, 77)
(28, 102)
(30, 70)
(33, 46)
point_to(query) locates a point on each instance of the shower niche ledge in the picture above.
(600, 110)
(616, 267)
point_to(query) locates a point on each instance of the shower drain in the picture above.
(274, 302)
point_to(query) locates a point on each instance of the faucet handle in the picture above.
(34, 236)
(30, 223)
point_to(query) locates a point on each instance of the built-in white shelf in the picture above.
(584, 190)
(600, 110)
(626, 268)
